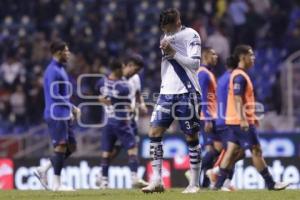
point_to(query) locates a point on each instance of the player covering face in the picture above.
(179, 96)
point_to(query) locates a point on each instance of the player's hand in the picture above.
(167, 48)
(76, 113)
(105, 100)
(208, 126)
(244, 125)
(143, 109)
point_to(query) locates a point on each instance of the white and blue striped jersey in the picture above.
(187, 43)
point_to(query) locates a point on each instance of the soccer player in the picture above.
(59, 112)
(241, 119)
(179, 95)
(115, 94)
(222, 129)
(211, 139)
(132, 64)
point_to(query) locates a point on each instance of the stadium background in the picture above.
(97, 30)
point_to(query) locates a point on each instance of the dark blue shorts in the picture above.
(223, 132)
(209, 138)
(245, 139)
(179, 107)
(61, 132)
(117, 131)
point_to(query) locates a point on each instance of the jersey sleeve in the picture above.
(56, 96)
(204, 81)
(194, 46)
(99, 85)
(239, 85)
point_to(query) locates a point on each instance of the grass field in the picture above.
(173, 194)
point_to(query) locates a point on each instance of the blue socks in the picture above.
(268, 178)
(58, 162)
(133, 163)
(105, 166)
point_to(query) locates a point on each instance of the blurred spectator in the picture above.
(237, 11)
(219, 42)
(18, 106)
(11, 70)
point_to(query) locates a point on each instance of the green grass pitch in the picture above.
(173, 194)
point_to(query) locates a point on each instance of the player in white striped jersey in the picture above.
(179, 96)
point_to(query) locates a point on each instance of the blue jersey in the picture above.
(222, 94)
(57, 101)
(118, 91)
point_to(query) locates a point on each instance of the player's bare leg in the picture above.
(156, 153)
(261, 166)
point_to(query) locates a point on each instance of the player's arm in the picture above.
(56, 96)
(204, 80)
(138, 95)
(239, 85)
(140, 99)
(192, 60)
(102, 98)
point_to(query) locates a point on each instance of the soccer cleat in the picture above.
(139, 183)
(42, 177)
(191, 189)
(153, 187)
(212, 177)
(280, 186)
(102, 182)
(227, 187)
(63, 188)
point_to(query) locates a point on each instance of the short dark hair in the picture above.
(115, 64)
(234, 59)
(206, 50)
(57, 45)
(135, 58)
(168, 16)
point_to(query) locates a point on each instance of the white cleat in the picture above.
(42, 177)
(63, 188)
(212, 177)
(102, 183)
(280, 186)
(190, 189)
(153, 187)
(140, 183)
(227, 187)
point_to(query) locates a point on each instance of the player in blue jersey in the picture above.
(211, 139)
(222, 129)
(241, 124)
(132, 64)
(115, 94)
(59, 113)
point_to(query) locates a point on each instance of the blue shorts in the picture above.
(179, 107)
(114, 131)
(61, 132)
(210, 138)
(223, 132)
(245, 139)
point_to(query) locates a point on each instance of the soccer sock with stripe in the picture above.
(156, 154)
(105, 166)
(195, 162)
